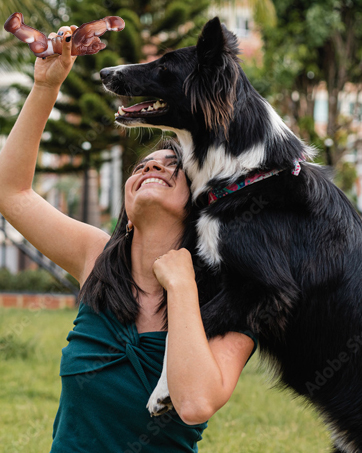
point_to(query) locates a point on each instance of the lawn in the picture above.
(257, 419)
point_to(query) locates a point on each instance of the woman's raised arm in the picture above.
(67, 242)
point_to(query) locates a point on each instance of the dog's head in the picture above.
(189, 88)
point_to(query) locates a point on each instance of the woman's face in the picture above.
(154, 191)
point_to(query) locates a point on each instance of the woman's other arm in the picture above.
(201, 374)
(65, 241)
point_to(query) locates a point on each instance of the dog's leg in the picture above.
(160, 400)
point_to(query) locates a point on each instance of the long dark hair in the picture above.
(110, 284)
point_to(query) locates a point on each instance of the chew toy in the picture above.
(85, 40)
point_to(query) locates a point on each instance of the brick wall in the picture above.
(36, 301)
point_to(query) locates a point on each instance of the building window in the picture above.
(242, 26)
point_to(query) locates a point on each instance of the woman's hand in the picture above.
(52, 71)
(175, 268)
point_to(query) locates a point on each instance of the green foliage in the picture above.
(37, 280)
(86, 111)
(6, 279)
(321, 22)
(129, 45)
(312, 42)
(175, 13)
(258, 78)
(307, 129)
(11, 347)
(93, 106)
(130, 17)
(264, 12)
(34, 11)
(105, 59)
(75, 85)
(346, 176)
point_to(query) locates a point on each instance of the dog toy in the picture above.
(85, 40)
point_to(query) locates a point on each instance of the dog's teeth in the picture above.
(157, 105)
(120, 111)
(143, 110)
(150, 108)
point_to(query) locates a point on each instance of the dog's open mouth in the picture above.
(142, 110)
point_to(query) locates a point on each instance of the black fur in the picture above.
(290, 246)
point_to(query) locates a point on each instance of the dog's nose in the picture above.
(106, 72)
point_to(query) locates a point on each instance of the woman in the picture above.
(115, 352)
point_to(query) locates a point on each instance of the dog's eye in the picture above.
(162, 68)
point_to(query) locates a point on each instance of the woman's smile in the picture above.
(153, 180)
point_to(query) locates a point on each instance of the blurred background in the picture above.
(304, 56)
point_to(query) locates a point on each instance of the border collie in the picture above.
(284, 240)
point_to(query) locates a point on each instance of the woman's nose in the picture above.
(153, 165)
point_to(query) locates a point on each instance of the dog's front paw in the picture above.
(159, 402)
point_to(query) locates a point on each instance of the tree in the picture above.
(38, 14)
(151, 29)
(313, 41)
(85, 127)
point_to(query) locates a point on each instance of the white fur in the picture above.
(217, 164)
(123, 67)
(138, 122)
(278, 125)
(281, 129)
(221, 165)
(161, 390)
(208, 231)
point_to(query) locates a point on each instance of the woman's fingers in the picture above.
(63, 33)
(67, 45)
(64, 29)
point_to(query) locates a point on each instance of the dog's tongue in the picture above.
(138, 107)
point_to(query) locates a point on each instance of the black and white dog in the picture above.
(284, 239)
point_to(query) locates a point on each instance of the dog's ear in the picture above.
(213, 83)
(210, 44)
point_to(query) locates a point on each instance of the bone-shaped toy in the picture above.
(85, 40)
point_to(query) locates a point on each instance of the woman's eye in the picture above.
(139, 167)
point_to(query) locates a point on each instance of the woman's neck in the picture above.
(147, 244)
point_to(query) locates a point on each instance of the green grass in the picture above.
(257, 419)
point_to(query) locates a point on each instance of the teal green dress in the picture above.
(108, 372)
